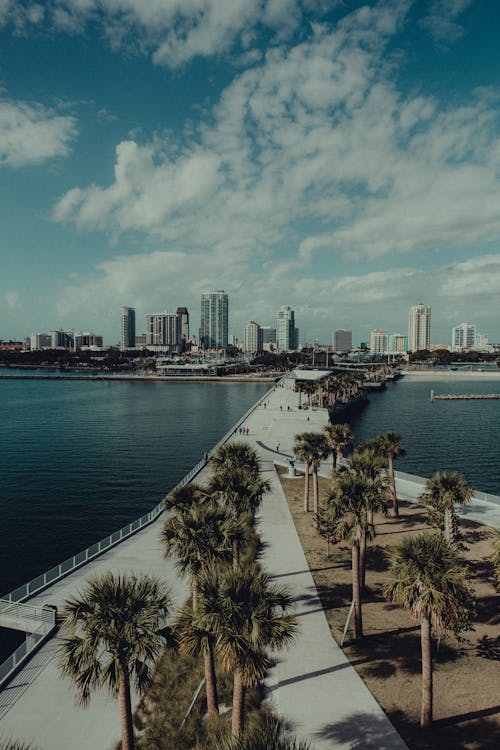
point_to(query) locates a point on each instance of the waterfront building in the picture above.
(287, 334)
(252, 338)
(398, 344)
(463, 337)
(162, 332)
(140, 340)
(214, 319)
(183, 318)
(40, 341)
(419, 328)
(127, 327)
(379, 341)
(86, 340)
(342, 341)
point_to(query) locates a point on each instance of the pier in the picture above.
(464, 396)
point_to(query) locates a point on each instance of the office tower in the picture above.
(398, 344)
(140, 340)
(379, 343)
(252, 338)
(463, 336)
(214, 320)
(183, 317)
(342, 341)
(127, 333)
(40, 341)
(162, 332)
(419, 328)
(61, 339)
(286, 333)
(87, 340)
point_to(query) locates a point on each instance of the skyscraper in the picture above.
(286, 333)
(183, 321)
(162, 332)
(252, 338)
(379, 341)
(214, 320)
(419, 328)
(342, 341)
(127, 332)
(463, 336)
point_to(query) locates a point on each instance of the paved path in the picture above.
(312, 686)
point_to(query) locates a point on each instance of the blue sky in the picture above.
(337, 156)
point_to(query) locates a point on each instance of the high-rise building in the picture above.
(214, 320)
(252, 338)
(127, 331)
(463, 336)
(379, 341)
(87, 340)
(286, 333)
(342, 341)
(268, 335)
(40, 341)
(183, 318)
(162, 332)
(398, 344)
(419, 328)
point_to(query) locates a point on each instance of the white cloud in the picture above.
(441, 22)
(31, 133)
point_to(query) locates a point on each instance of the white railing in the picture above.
(81, 558)
(25, 612)
(33, 640)
(478, 494)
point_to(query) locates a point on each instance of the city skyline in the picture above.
(341, 158)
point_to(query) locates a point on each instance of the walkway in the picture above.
(313, 687)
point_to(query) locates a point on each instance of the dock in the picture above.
(464, 396)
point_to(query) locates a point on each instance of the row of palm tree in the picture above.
(116, 630)
(426, 575)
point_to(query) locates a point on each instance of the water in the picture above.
(439, 435)
(79, 459)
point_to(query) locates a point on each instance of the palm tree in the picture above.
(267, 735)
(247, 615)
(390, 444)
(348, 507)
(237, 454)
(427, 579)
(113, 638)
(183, 498)
(339, 437)
(320, 450)
(443, 491)
(302, 451)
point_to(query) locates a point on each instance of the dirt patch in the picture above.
(466, 674)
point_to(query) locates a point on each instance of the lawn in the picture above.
(466, 674)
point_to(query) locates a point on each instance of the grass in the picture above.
(466, 674)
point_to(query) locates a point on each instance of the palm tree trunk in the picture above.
(425, 638)
(316, 492)
(306, 489)
(194, 593)
(362, 562)
(211, 682)
(448, 525)
(237, 719)
(395, 506)
(356, 593)
(125, 710)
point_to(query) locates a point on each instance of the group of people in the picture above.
(242, 430)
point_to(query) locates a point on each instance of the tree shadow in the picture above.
(363, 731)
(487, 610)
(489, 648)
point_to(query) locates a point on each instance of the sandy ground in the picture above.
(466, 675)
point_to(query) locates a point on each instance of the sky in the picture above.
(336, 156)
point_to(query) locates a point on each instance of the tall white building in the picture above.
(252, 338)
(379, 341)
(419, 328)
(162, 332)
(463, 337)
(286, 333)
(127, 328)
(214, 319)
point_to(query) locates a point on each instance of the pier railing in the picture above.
(63, 569)
(42, 622)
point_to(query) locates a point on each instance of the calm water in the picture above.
(439, 435)
(79, 460)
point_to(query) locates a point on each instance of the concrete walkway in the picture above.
(313, 687)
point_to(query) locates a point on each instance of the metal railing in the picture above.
(478, 494)
(32, 641)
(81, 558)
(27, 612)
